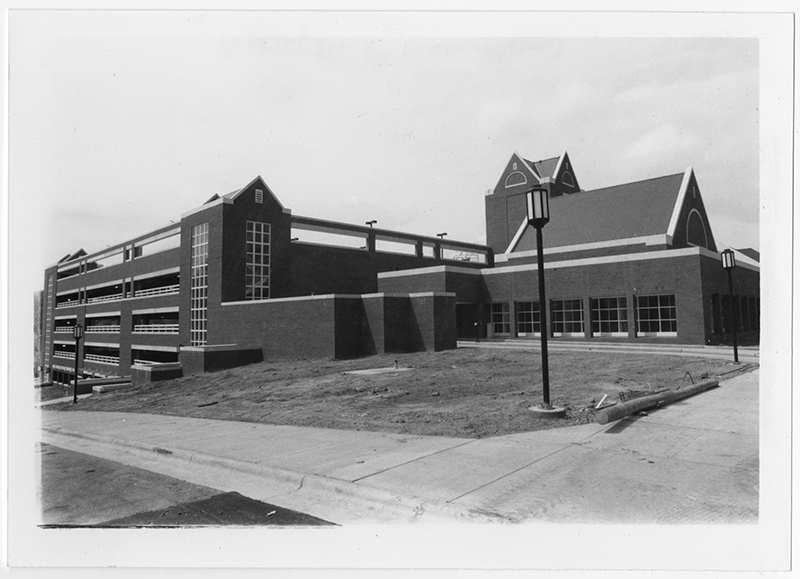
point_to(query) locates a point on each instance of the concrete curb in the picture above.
(316, 495)
(60, 400)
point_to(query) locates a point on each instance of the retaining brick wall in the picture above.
(340, 326)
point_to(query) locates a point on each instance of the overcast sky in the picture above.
(120, 122)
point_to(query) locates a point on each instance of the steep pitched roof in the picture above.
(545, 167)
(632, 210)
(751, 253)
(215, 196)
(70, 256)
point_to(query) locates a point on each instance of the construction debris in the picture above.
(640, 403)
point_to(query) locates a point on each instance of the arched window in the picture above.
(566, 179)
(696, 229)
(516, 178)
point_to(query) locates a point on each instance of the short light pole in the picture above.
(77, 333)
(440, 235)
(371, 223)
(728, 263)
(538, 204)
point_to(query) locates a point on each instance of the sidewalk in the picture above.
(695, 461)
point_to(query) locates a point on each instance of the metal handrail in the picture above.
(99, 329)
(156, 328)
(169, 289)
(104, 298)
(101, 359)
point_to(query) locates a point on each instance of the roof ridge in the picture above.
(629, 183)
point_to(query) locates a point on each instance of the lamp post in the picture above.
(77, 333)
(538, 204)
(728, 263)
(371, 223)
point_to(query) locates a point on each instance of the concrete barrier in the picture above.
(146, 373)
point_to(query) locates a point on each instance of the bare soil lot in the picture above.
(469, 393)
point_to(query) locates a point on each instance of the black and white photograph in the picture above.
(399, 288)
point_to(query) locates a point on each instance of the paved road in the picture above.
(695, 461)
(83, 490)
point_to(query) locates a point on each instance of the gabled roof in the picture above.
(234, 194)
(230, 195)
(70, 256)
(751, 253)
(639, 209)
(545, 167)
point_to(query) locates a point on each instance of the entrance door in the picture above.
(467, 315)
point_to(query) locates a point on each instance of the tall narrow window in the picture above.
(753, 314)
(716, 315)
(501, 319)
(259, 196)
(528, 319)
(656, 316)
(744, 314)
(199, 285)
(257, 264)
(48, 319)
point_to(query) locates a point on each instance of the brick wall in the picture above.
(318, 269)
(746, 282)
(283, 328)
(214, 217)
(340, 326)
(435, 316)
(679, 276)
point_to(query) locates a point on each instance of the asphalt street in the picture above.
(81, 490)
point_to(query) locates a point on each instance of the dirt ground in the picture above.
(462, 393)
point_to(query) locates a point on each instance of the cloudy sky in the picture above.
(121, 121)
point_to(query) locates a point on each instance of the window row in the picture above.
(655, 315)
(746, 314)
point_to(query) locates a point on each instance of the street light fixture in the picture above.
(77, 333)
(440, 235)
(371, 223)
(728, 263)
(538, 205)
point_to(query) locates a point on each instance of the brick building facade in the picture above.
(633, 262)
